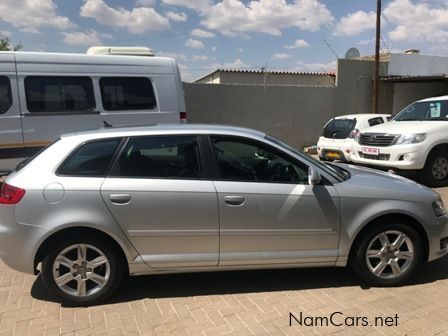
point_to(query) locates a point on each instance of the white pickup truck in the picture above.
(416, 139)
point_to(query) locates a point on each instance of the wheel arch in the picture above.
(78, 231)
(437, 147)
(388, 218)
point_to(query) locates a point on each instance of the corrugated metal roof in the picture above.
(413, 78)
(275, 72)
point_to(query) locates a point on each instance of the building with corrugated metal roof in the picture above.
(261, 77)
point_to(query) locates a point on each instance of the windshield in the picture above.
(339, 174)
(431, 110)
(339, 128)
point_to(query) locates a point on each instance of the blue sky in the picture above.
(207, 34)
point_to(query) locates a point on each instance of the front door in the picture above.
(159, 197)
(268, 212)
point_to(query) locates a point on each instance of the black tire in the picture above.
(115, 274)
(435, 173)
(360, 265)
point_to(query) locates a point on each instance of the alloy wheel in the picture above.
(390, 254)
(81, 270)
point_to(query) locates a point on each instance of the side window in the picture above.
(127, 93)
(91, 159)
(376, 121)
(50, 94)
(245, 160)
(159, 157)
(5, 94)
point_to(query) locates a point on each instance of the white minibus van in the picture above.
(43, 95)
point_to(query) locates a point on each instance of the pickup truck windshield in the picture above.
(424, 111)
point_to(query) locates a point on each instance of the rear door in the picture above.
(11, 138)
(158, 194)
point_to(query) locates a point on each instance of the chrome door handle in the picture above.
(120, 198)
(234, 200)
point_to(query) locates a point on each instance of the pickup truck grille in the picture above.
(377, 140)
(380, 157)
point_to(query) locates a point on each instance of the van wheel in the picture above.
(82, 271)
(435, 173)
(388, 255)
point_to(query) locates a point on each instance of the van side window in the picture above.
(5, 94)
(50, 94)
(376, 121)
(127, 93)
(91, 159)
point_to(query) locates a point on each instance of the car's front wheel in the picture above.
(82, 271)
(388, 255)
(435, 172)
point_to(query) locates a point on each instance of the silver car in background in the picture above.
(96, 206)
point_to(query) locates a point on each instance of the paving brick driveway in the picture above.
(237, 303)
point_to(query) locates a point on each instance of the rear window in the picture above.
(127, 93)
(339, 128)
(52, 94)
(376, 121)
(5, 94)
(91, 159)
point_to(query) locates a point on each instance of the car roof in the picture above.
(161, 129)
(362, 116)
(433, 99)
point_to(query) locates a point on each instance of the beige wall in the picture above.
(224, 77)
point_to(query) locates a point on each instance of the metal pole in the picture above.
(376, 69)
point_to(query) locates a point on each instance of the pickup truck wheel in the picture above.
(435, 173)
(82, 271)
(388, 255)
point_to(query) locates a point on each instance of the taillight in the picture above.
(10, 195)
(183, 117)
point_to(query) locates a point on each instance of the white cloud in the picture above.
(317, 67)
(355, 23)
(298, 44)
(137, 20)
(240, 49)
(233, 17)
(177, 56)
(202, 33)
(417, 21)
(236, 64)
(87, 38)
(30, 15)
(214, 48)
(195, 44)
(177, 16)
(281, 56)
(200, 58)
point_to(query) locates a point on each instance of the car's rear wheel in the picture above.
(82, 271)
(388, 255)
(435, 173)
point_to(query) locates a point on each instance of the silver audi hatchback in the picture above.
(96, 206)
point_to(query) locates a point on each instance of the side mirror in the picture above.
(313, 176)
